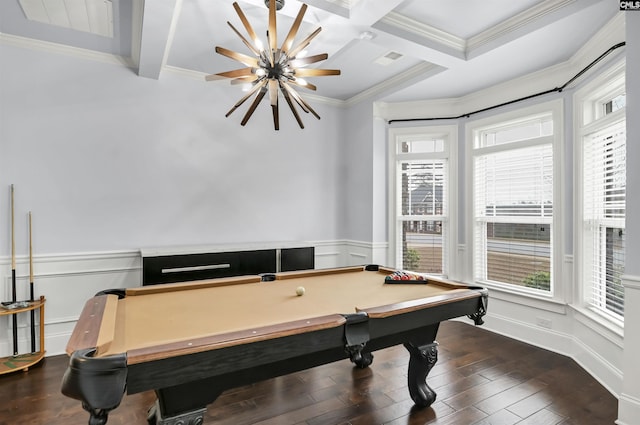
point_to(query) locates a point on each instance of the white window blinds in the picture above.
(515, 183)
(513, 193)
(604, 211)
(421, 222)
(513, 214)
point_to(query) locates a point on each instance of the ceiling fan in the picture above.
(273, 69)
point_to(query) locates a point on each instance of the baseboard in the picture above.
(341, 253)
(66, 281)
(628, 410)
(562, 343)
(549, 339)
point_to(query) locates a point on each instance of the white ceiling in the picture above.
(447, 48)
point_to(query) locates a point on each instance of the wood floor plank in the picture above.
(481, 378)
(510, 396)
(501, 417)
(531, 404)
(481, 392)
(543, 417)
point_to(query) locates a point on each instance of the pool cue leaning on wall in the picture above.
(13, 274)
(31, 297)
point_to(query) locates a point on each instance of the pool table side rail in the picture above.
(215, 342)
(186, 286)
(96, 325)
(454, 295)
(300, 274)
(219, 341)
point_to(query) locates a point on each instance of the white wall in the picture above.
(110, 162)
(357, 169)
(560, 324)
(107, 160)
(629, 408)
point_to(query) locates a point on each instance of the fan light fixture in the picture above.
(273, 70)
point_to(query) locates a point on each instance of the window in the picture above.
(420, 184)
(603, 191)
(513, 200)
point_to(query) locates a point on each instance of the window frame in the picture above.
(472, 129)
(397, 135)
(589, 117)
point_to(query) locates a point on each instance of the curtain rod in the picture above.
(556, 89)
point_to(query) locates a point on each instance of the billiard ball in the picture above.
(300, 291)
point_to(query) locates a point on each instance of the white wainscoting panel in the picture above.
(629, 404)
(67, 282)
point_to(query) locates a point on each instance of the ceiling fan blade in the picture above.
(245, 80)
(273, 92)
(247, 60)
(253, 106)
(243, 72)
(304, 105)
(286, 96)
(288, 41)
(295, 96)
(247, 96)
(311, 72)
(276, 116)
(304, 43)
(273, 33)
(214, 77)
(309, 59)
(246, 24)
(246, 42)
(306, 85)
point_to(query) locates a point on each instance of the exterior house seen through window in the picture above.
(421, 224)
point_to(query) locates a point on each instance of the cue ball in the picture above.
(300, 291)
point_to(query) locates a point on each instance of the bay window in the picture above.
(602, 178)
(513, 210)
(420, 226)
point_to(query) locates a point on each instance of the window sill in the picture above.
(611, 329)
(524, 297)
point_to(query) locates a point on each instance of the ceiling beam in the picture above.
(158, 23)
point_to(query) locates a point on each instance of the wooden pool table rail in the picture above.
(96, 326)
(189, 374)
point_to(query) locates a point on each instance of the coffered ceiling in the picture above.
(392, 50)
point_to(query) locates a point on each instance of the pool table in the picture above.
(191, 341)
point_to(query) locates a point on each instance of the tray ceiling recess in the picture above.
(92, 16)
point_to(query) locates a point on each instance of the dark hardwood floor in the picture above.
(481, 378)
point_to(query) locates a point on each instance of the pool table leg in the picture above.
(362, 360)
(422, 359)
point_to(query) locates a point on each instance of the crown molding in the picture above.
(515, 23)
(554, 76)
(612, 33)
(475, 43)
(77, 52)
(48, 47)
(407, 24)
(337, 7)
(421, 70)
